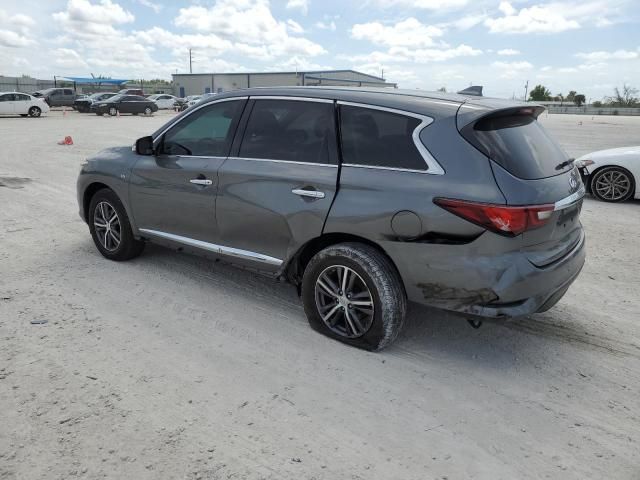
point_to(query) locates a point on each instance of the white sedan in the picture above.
(14, 103)
(611, 175)
(163, 100)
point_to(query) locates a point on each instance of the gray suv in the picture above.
(362, 199)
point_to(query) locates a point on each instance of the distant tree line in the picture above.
(622, 97)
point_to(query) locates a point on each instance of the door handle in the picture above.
(201, 181)
(308, 193)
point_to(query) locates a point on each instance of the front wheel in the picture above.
(35, 112)
(352, 292)
(612, 184)
(110, 228)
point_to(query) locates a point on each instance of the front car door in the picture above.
(276, 189)
(173, 193)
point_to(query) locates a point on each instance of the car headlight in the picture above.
(583, 163)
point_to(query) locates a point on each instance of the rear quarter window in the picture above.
(520, 144)
(377, 138)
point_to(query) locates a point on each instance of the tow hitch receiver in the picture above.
(475, 323)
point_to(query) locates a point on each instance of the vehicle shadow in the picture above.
(428, 332)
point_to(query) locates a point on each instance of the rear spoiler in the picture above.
(469, 113)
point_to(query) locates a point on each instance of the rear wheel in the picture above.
(35, 112)
(147, 111)
(113, 111)
(110, 228)
(612, 184)
(351, 292)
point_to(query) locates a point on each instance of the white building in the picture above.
(199, 83)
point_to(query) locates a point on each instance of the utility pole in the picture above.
(526, 90)
(190, 66)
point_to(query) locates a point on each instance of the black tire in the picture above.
(35, 112)
(24, 115)
(99, 114)
(382, 281)
(113, 111)
(624, 177)
(128, 247)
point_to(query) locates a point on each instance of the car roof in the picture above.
(417, 101)
(23, 93)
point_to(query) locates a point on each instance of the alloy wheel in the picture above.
(344, 301)
(107, 226)
(613, 185)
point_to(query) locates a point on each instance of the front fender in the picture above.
(111, 168)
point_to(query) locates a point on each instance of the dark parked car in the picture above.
(363, 199)
(57, 97)
(117, 104)
(131, 91)
(83, 105)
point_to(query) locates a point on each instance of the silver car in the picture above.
(363, 199)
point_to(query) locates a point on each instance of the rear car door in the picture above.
(7, 104)
(173, 193)
(129, 104)
(276, 189)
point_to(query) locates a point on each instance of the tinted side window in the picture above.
(7, 97)
(289, 130)
(207, 132)
(378, 138)
(21, 97)
(68, 92)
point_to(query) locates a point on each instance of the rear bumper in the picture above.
(460, 279)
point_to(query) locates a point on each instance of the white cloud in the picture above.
(15, 30)
(511, 69)
(156, 7)
(508, 52)
(599, 56)
(247, 23)
(407, 33)
(420, 55)
(302, 5)
(294, 27)
(326, 25)
(535, 19)
(68, 58)
(423, 4)
(104, 12)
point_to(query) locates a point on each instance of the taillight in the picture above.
(508, 221)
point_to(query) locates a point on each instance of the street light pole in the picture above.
(190, 64)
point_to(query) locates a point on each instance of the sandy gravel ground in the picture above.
(173, 367)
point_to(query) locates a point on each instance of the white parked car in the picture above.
(611, 175)
(14, 103)
(163, 100)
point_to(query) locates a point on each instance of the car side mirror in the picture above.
(144, 146)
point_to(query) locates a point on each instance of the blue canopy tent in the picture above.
(90, 81)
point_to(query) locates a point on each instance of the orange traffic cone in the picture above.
(66, 141)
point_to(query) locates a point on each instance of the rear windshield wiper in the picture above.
(564, 164)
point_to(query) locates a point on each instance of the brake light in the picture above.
(501, 219)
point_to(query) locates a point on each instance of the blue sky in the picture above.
(588, 45)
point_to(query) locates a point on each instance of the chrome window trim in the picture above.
(285, 97)
(212, 247)
(178, 122)
(570, 200)
(393, 169)
(433, 167)
(295, 162)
